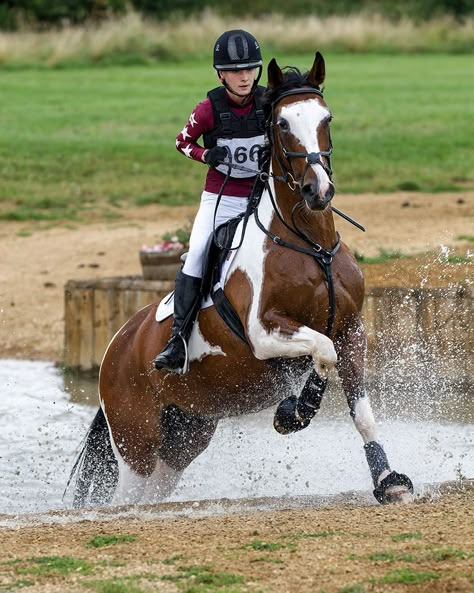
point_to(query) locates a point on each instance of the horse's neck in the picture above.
(318, 226)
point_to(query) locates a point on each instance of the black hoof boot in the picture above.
(287, 417)
(173, 357)
(394, 488)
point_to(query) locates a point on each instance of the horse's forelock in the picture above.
(293, 78)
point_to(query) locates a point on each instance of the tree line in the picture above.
(15, 14)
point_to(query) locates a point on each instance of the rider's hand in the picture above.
(215, 156)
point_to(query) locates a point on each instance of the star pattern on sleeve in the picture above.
(187, 151)
(192, 120)
(184, 133)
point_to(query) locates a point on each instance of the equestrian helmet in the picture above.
(236, 50)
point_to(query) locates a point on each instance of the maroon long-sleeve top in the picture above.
(200, 121)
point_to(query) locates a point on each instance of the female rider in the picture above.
(231, 123)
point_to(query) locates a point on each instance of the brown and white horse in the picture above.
(298, 292)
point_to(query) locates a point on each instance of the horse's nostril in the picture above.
(329, 193)
(309, 190)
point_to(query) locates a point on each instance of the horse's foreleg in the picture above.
(295, 413)
(351, 348)
(278, 336)
(281, 336)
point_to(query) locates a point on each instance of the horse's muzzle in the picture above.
(311, 193)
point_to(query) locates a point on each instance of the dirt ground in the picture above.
(427, 546)
(424, 547)
(37, 260)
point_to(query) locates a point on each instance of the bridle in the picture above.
(322, 256)
(312, 158)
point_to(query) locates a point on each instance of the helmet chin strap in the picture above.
(235, 94)
(252, 90)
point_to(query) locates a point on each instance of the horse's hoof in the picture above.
(394, 489)
(287, 419)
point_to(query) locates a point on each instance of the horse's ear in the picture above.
(317, 74)
(275, 75)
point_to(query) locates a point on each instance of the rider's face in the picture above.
(239, 82)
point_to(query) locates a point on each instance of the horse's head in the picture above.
(298, 131)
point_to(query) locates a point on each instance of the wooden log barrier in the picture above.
(423, 327)
(96, 309)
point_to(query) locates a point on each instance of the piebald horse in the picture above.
(298, 292)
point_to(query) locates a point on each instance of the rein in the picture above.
(312, 158)
(322, 256)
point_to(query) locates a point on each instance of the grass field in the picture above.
(80, 143)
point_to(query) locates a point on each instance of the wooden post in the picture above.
(96, 309)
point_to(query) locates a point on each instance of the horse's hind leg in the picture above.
(134, 488)
(182, 437)
(351, 348)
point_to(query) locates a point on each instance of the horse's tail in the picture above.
(96, 466)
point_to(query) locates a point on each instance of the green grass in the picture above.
(256, 544)
(53, 565)
(352, 589)
(383, 257)
(100, 541)
(469, 238)
(448, 554)
(204, 579)
(113, 586)
(404, 536)
(20, 584)
(459, 259)
(266, 559)
(173, 559)
(312, 535)
(408, 576)
(82, 143)
(392, 556)
(260, 546)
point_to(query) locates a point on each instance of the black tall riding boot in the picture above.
(187, 301)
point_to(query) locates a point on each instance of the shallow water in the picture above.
(44, 416)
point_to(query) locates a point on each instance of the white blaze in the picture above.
(304, 118)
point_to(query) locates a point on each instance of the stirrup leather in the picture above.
(185, 367)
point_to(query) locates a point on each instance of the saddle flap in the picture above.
(217, 251)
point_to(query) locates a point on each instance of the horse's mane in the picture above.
(293, 78)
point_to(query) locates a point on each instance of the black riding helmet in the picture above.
(237, 50)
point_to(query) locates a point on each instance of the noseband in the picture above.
(312, 158)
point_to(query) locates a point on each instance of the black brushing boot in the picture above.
(187, 301)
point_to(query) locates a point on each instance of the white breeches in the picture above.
(229, 206)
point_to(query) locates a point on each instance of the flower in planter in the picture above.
(163, 247)
(177, 240)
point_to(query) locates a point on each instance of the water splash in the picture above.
(41, 429)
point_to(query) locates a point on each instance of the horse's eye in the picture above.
(283, 125)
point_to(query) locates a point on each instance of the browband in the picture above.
(302, 91)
